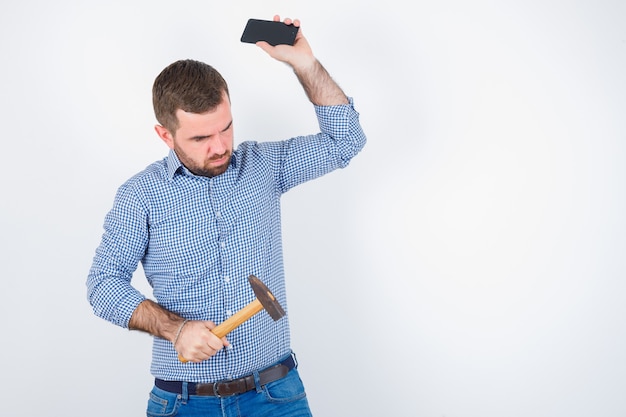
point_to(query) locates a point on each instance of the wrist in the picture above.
(178, 332)
(305, 64)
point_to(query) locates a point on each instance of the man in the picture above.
(201, 221)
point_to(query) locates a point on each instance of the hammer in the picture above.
(264, 300)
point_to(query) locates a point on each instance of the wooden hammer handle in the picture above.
(234, 321)
(237, 319)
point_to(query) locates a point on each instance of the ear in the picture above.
(165, 135)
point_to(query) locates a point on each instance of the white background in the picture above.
(469, 263)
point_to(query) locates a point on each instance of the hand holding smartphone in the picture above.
(274, 33)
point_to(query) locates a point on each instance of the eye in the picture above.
(230, 125)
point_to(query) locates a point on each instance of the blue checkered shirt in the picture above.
(199, 239)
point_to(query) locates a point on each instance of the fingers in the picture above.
(288, 21)
(198, 353)
(197, 343)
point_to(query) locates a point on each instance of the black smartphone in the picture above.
(274, 33)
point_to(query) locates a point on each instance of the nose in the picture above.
(219, 145)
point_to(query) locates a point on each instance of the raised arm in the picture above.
(320, 88)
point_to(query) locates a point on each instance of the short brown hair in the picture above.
(189, 85)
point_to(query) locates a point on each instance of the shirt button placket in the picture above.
(221, 241)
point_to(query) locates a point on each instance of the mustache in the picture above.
(217, 157)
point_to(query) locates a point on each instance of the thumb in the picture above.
(265, 46)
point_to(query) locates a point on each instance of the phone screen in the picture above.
(274, 33)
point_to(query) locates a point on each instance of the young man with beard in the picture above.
(201, 221)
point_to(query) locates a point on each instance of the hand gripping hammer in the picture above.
(264, 300)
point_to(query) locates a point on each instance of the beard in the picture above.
(207, 169)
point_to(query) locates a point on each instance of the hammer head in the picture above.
(266, 298)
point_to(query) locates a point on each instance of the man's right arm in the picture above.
(123, 244)
(150, 317)
(114, 299)
(193, 340)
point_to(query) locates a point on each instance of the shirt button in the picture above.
(218, 214)
(227, 279)
(229, 313)
(222, 245)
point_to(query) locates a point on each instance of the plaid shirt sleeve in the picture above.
(123, 244)
(304, 158)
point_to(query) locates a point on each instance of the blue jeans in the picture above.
(283, 398)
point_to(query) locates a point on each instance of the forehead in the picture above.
(207, 123)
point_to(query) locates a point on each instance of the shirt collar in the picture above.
(173, 164)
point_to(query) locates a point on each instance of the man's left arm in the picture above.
(319, 86)
(341, 138)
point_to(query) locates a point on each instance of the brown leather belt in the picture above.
(230, 387)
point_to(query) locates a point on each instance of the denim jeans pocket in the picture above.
(287, 389)
(162, 403)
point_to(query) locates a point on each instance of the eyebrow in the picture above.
(199, 137)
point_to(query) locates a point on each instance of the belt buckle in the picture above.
(216, 390)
